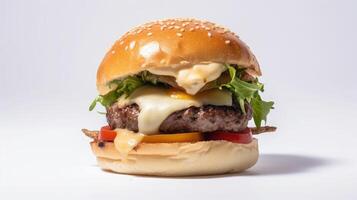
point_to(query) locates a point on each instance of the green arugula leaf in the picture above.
(128, 85)
(105, 100)
(123, 87)
(243, 91)
(260, 109)
(248, 92)
(101, 113)
(149, 77)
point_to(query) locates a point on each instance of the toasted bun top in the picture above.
(173, 42)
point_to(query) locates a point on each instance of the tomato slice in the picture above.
(107, 134)
(243, 137)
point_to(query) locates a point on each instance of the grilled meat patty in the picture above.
(207, 118)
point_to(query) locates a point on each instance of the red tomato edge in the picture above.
(242, 137)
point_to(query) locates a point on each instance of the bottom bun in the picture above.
(179, 159)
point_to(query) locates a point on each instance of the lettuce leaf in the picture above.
(260, 109)
(122, 87)
(248, 92)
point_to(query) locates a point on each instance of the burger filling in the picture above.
(205, 97)
(208, 101)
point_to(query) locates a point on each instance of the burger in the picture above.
(178, 95)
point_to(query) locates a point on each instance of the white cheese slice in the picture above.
(156, 104)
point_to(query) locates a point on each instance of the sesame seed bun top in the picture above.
(173, 42)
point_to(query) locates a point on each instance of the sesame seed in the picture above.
(209, 34)
(172, 23)
(176, 27)
(126, 48)
(207, 28)
(162, 28)
(227, 41)
(170, 27)
(182, 30)
(132, 45)
(179, 34)
(139, 31)
(220, 31)
(121, 42)
(149, 34)
(113, 52)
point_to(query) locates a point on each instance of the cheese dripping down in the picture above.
(192, 78)
(156, 104)
(126, 140)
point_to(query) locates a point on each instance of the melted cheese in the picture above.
(156, 104)
(126, 140)
(192, 78)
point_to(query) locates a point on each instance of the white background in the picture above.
(49, 53)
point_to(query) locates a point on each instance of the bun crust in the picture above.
(179, 159)
(173, 42)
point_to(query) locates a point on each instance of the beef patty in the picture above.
(207, 118)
